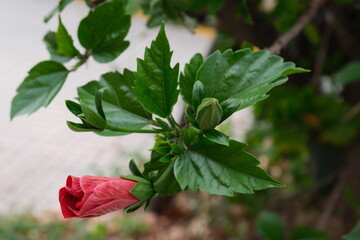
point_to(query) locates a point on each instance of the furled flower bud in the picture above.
(91, 196)
(209, 114)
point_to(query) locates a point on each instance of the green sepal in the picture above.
(134, 207)
(142, 191)
(134, 168)
(190, 118)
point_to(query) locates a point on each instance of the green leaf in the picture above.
(217, 137)
(243, 76)
(307, 233)
(270, 226)
(354, 234)
(65, 45)
(51, 45)
(349, 73)
(156, 82)
(167, 184)
(198, 94)
(104, 29)
(243, 11)
(58, 9)
(78, 127)
(221, 170)
(119, 105)
(215, 5)
(188, 78)
(39, 88)
(73, 107)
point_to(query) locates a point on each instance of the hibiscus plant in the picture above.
(190, 154)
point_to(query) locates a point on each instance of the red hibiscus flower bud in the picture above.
(91, 196)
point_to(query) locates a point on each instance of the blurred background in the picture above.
(306, 134)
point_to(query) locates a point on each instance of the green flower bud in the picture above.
(209, 114)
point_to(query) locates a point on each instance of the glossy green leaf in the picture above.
(73, 107)
(349, 73)
(119, 105)
(243, 76)
(217, 137)
(58, 9)
(51, 45)
(104, 29)
(39, 88)
(79, 127)
(354, 234)
(188, 78)
(156, 82)
(270, 226)
(221, 170)
(198, 94)
(64, 42)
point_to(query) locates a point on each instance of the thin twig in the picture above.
(305, 18)
(331, 203)
(321, 55)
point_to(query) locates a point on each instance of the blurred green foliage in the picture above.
(28, 227)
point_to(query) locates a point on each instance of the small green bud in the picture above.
(209, 114)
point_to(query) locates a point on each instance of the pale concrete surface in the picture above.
(37, 152)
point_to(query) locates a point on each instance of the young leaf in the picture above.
(166, 184)
(118, 103)
(39, 88)
(104, 29)
(188, 78)
(270, 226)
(65, 45)
(243, 76)
(51, 45)
(156, 82)
(58, 9)
(221, 170)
